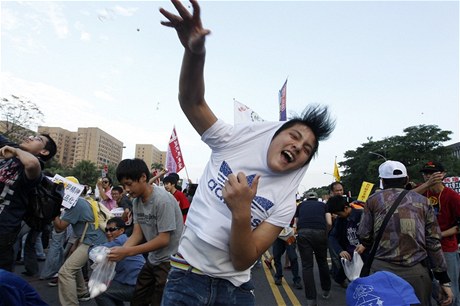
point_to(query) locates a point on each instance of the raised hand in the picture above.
(188, 26)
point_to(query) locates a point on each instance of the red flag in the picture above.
(174, 160)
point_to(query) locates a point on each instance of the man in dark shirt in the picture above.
(343, 241)
(20, 171)
(313, 222)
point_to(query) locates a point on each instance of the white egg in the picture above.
(102, 287)
(99, 258)
(95, 292)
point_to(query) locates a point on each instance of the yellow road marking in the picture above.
(276, 292)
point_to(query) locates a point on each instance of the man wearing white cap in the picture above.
(411, 236)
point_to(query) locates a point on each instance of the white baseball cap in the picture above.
(392, 169)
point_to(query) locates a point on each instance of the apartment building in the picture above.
(90, 143)
(150, 154)
(65, 141)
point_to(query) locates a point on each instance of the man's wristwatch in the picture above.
(447, 285)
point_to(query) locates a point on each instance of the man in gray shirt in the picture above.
(157, 220)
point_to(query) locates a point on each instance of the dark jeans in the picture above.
(185, 288)
(279, 247)
(337, 271)
(115, 295)
(30, 255)
(313, 241)
(7, 255)
(150, 284)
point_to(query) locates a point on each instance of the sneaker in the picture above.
(53, 282)
(326, 294)
(298, 285)
(268, 263)
(84, 298)
(27, 273)
(278, 281)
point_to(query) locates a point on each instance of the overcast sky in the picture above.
(381, 66)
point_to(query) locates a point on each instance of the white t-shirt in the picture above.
(206, 238)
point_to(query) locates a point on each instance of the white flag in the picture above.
(244, 114)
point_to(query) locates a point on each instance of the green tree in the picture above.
(86, 172)
(418, 145)
(54, 167)
(19, 117)
(320, 191)
(157, 166)
(112, 173)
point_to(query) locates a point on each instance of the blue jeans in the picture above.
(190, 289)
(453, 266)
(279, 247)
(313, 241)
(115, 295)
(55, 257)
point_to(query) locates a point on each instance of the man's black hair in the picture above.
(318, 119)
(170, 179)
(332, 185)
(132, 169)
(337, 204)
(118, 222)
(118, 188)
(50, 146)
(394, 183)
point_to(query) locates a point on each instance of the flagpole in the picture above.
(186, 172)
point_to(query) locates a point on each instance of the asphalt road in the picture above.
(266, 292)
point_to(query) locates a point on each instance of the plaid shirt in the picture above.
(412, 233)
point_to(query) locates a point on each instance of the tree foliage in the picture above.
(19, 117)
(418, 145)
(157, 166)
(86, 172)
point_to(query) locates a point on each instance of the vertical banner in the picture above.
(243, 114)
(174, 160)
(336, 172)
(365, 191)
(282, 101)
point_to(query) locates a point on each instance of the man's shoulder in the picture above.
(160, 194)
(451, 193)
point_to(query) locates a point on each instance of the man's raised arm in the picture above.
(191, 83)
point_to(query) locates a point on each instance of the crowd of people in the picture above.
(171, 249)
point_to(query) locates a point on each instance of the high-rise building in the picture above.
(97, 146)
(91, 144)
(150, 154)
(65, 142)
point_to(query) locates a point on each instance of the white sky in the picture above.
(380, 66)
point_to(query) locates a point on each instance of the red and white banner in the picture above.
(174, 159)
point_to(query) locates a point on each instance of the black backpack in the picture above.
(43, 204)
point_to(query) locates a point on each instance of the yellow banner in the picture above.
(365, 191)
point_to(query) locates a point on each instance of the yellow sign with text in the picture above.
(365, 191)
